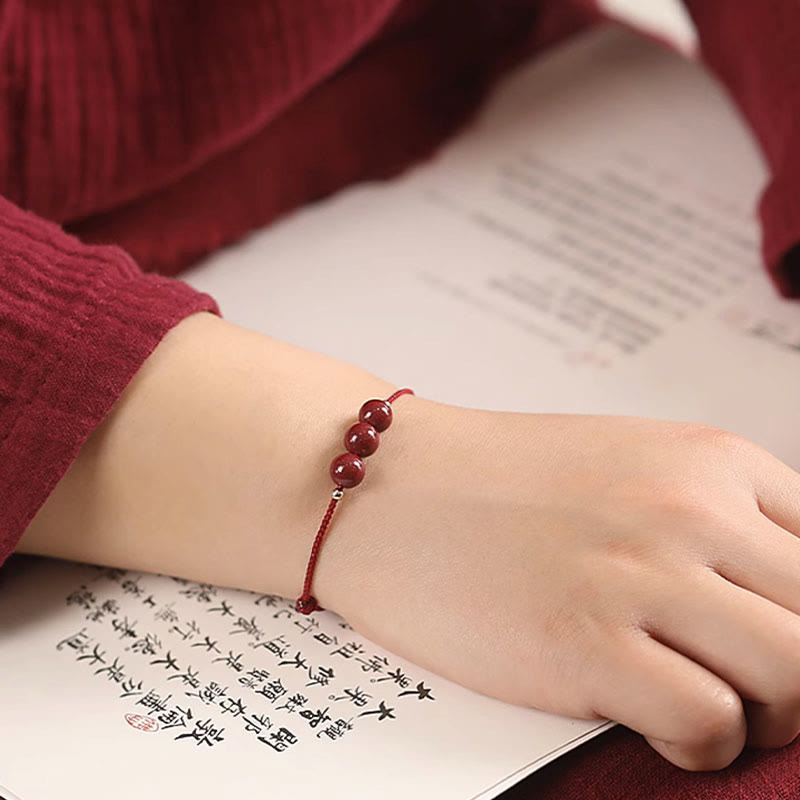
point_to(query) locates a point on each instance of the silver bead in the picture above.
(338, 493)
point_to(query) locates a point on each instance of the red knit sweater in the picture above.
(156, 131)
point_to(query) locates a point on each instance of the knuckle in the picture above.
(721, 443)
(683, 500)
(672, 495)
(788, 695)
(774, 736)
(783, 694)
(707, 760)
(772, 725)
(717, 720)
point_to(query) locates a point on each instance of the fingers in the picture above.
(766, 562)
(688, 714)
(749, 642)
(777, 488)
(765, 559)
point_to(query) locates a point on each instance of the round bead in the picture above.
(347, 470)
(307, 605)
(377, 413)
(361, 439)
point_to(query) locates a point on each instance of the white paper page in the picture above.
(665, 18)
(590, 246)
(483, 294)
(124, 684)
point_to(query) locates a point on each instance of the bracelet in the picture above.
(348, 470)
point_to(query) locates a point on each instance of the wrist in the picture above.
(212, 464)
(378, 517)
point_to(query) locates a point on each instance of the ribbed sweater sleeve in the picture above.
(753, 48)
(76, 323)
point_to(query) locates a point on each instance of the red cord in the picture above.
(307, 603)
(392, 397)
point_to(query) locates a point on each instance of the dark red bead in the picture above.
(377, 413)
(361, 439)
(347, 470)
(307, 605)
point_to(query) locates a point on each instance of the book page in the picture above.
(590, 246)
(121, 683)
(587, 246)
(666, 19)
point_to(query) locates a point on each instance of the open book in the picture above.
(587, 246)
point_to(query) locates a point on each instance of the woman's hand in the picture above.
(593, 566)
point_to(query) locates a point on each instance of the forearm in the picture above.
(213, 464)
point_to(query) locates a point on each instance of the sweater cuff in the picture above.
(780, 217)
(753, 50)
(76, 324)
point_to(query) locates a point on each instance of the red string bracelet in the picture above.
(348, 470)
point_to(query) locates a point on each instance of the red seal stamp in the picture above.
(141, 723)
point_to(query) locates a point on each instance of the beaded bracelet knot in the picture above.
(347, 471)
